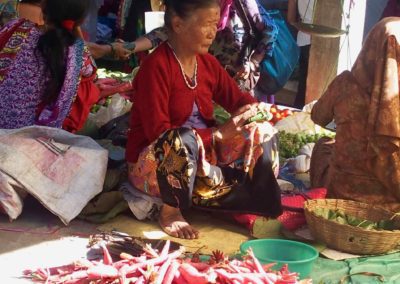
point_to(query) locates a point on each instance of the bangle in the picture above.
(130, 45)
(112, 49)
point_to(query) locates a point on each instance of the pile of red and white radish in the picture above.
(164, 267)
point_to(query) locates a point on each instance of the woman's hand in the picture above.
(250, 66)
(237, 123)
(120, 51)
(245, 70)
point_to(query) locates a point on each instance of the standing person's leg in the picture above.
(303, 72)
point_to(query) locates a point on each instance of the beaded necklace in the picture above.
(183, 71)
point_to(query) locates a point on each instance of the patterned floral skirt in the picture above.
(238, 175)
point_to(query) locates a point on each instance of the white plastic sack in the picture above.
(301, 163)
(62, 170)
(301, 122)
(143, 206)
(118, 106)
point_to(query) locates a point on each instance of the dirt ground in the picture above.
(39, 239)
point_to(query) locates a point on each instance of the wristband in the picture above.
(112, 49)
(130, 46)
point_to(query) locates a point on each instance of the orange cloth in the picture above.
(365, 104)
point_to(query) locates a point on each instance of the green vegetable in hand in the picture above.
(260, 116)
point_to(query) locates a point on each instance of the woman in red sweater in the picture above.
(175, 150)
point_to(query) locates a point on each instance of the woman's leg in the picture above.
(250, 163)
(257, 192)
(176, 153)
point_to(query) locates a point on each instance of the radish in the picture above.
(162, 271)
(107, 259)
(165, 249)
(102, 271)
(170, 274)
(192, 275)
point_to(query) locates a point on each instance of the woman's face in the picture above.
(198, 30)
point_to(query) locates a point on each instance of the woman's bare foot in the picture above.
(173, 223)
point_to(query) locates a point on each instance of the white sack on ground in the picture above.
(62, 170)
(301, 122)
(301, 163)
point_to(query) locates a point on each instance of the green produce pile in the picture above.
(290, 144)
(341, 217)
(120, 76)
(102, 103)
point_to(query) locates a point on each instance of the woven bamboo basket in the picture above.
(348, 238)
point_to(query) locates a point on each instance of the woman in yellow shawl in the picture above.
(363, 164)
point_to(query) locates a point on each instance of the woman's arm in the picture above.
(151, 40)
(226, 91)
(151, 96)
(100, 50)
(323, 110)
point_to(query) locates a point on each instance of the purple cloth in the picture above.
(195, 120)
(24, 84)
(225, 8)
(392, 9)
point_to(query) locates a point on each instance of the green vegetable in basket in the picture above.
(341, 217)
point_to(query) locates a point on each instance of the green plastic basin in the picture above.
(299, 256)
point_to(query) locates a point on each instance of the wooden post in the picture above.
(324, 52)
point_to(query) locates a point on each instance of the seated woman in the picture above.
(364, 162)
(46, 76)
(175, 151)
(31, 10)
(238, 49)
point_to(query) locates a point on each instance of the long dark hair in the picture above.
(34, 2)
(184, 8)
(54, 42)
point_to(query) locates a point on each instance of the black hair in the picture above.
(35, 2)
(54, 42)
(184, 8)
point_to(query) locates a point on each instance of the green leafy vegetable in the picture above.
(290, 144)
(341, 217)
(120, 76)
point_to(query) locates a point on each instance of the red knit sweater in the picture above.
(162, 100)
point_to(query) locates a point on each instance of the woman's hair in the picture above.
(35, 2)
(184, 8)
(54, 42)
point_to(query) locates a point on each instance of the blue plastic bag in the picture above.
(276, 69)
